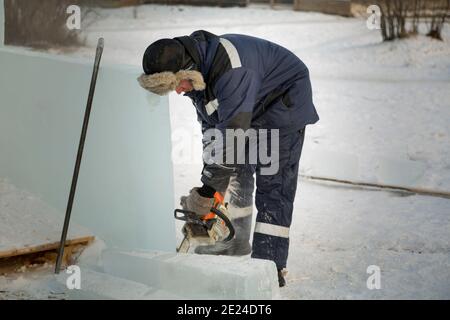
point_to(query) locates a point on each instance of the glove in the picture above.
(196, 203)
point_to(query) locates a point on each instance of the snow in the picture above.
(27, 221)
(32, 285)
(385, 117)
(333, 243)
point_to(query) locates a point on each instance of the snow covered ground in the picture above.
(27, 221)
(385, 114)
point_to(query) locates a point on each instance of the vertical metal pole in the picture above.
(73, 187)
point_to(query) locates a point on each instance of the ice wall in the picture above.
(125, 191)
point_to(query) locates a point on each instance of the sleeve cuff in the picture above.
(206, 191)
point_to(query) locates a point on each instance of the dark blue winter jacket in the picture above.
(251, 82)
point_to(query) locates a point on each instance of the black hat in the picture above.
(164, 55)
(166, 62)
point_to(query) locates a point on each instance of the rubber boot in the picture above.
(239, 245)
(281, 280)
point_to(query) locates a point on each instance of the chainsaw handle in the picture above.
(228, 223)
(185, 216)
(192, 217)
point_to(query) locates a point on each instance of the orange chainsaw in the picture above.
(205, 230)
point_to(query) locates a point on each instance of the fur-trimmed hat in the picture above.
(162, 83)
(165, 64)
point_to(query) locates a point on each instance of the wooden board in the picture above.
(421, 191)
(28, 258)
(86, 240)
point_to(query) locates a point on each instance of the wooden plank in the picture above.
(45, 247)
(421, 191)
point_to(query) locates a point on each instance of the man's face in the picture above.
(184, 86)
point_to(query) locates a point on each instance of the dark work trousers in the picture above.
(274, 199)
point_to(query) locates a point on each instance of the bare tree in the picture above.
(440, 10)
(388, 19)
(272, 4)
(39, 24)
(417, 9)
(396, 14)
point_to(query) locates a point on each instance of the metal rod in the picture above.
(76, 170)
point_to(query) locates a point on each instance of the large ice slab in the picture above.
(100, 286)
(125, 189)
(196, 276)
